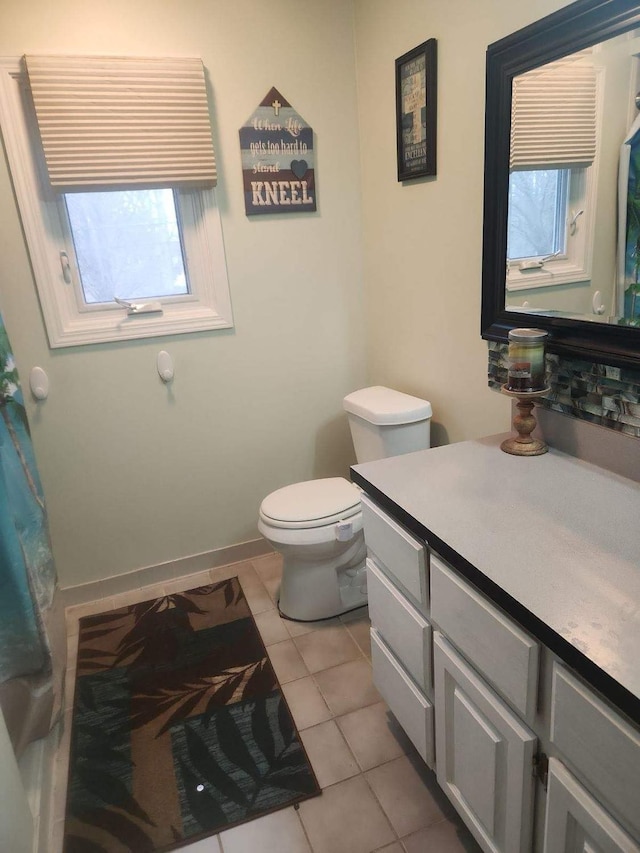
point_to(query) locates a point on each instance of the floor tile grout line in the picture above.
(313, 675)
(304, 828)
(362, 651)
(339, 717)
(421, 828)
(398, 838)
(363, 772)
(349, 660)
(377, 799)
(346, 743)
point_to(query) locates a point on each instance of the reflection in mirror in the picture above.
(573, 239)
(583, 316)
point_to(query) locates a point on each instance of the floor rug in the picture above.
(180, 728)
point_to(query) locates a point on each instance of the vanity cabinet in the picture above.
(462, 678)
(482, 753)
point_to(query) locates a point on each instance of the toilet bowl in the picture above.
(317, 525)
(317, 528)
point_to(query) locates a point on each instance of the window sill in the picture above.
(120, 326)
(551, 275)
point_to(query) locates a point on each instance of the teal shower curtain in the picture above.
(31, 620)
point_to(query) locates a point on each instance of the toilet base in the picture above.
(321, 610)
(325, 618)
(310, 592)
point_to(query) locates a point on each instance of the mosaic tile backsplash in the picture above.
(604, 395)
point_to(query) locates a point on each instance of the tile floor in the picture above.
(377, 793)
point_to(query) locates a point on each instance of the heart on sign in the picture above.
(299, 168)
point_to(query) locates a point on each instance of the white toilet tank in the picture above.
(385, 423)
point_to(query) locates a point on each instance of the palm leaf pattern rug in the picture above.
(180, 729)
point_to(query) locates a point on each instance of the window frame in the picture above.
(577, 263)
(574, 265)
(43, 213)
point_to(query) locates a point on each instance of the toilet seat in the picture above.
(311, 504)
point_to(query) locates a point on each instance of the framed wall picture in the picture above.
(416, 111)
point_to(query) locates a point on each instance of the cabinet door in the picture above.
(484, 755)
(575, 822)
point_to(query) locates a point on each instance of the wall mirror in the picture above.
(561, 246)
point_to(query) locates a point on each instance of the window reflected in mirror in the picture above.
(537, 215)
(573, 237)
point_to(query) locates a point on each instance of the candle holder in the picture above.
(524, 423)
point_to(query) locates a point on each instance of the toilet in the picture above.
(317, 525)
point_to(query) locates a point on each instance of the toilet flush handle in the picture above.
(344, 531)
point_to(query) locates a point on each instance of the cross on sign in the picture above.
(276, 106)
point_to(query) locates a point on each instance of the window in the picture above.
(550, 227)
(158, 249)
(127, 244)
(553, 176)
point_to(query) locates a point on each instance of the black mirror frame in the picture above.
(572, 28)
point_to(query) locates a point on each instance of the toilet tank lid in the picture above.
(383, 406)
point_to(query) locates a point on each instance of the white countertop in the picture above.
(558, 535)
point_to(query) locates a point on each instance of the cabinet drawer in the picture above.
(403, 628)
(598, 743)
(404, 556)
(412, 710)
(502, 651)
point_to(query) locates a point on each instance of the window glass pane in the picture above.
(127, 244)
(537, 213)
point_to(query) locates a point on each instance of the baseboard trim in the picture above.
(171, 570)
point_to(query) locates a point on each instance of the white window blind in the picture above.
(121, 122)
(553, 116)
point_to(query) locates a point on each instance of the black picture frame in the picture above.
(416, 111)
